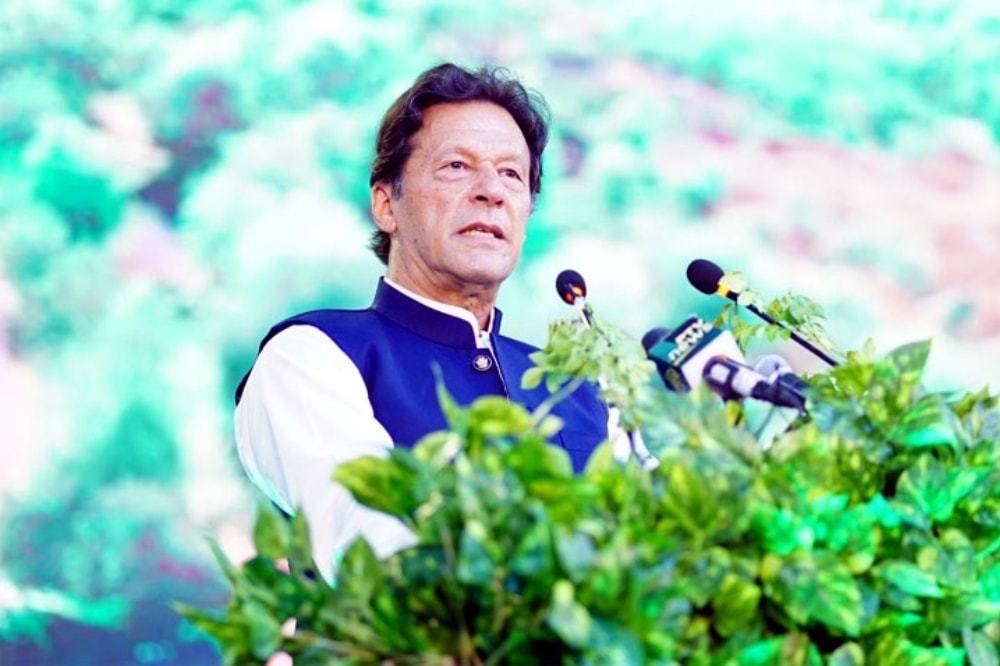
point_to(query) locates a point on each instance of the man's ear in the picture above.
(381, 203)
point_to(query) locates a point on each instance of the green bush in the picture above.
(869, 533)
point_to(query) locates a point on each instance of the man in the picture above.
(456, 172)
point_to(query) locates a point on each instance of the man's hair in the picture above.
(451, 83)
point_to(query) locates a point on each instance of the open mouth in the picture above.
(483, 230)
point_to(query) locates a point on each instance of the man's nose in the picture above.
(489, 187)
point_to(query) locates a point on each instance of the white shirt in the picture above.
(305, 410)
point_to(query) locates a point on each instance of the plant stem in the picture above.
(554, 399)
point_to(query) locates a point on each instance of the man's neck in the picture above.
(479, 303)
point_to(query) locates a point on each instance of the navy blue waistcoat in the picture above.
(394, 344)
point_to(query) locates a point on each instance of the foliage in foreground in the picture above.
(870, 533)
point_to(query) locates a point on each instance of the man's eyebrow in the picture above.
(460, 149)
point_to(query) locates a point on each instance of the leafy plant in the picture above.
(796, 312)
(600, 353)
(870, 533)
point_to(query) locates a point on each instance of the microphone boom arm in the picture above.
(795, 336)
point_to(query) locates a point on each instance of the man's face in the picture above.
(460, 220)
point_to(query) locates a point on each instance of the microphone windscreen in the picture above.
(704, 275)
(570, 286)
(653, 337)
(771, 365)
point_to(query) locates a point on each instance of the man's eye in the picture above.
(512, 173)
(456, 164)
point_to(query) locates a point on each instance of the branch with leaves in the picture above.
(602, 354)
(795, 312)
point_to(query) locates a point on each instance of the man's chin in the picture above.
(488, 276)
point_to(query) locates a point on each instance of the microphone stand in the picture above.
(636, 446)
(795, 336)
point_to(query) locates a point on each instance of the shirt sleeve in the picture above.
(305, 410)
(624, 447)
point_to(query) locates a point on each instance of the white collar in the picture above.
(482, 336)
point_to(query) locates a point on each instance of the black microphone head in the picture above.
(653, 337)
(571, 286)
(704, 275)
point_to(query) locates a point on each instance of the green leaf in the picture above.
(271, 533)
(890, 649)
(963, 480)
(228, 632)
(300, 557)
(568, 618)
(533, 556)
(475, 566)
(264, 630)
(438, 449)
(549, 426)
(601, 462)
(910, 578)
(782, 532)
(735, 282)
(736, 604)
(893, 649)
(385, 484)
(532, 378)
(912, 357)
(924, 486)
(927, 424)
(704, 572)
(537, 459)
(762, 653)
(689, 500)
(989, 582)
(980, 649)
(946, 656)
(848, 654)
(576, 552)
(838, 602)
(966, 610)
(577, 352)
(454, 415)
(794, 649)
(612, 645)
(230, 571)
(817, 586)
(798, 650)
(359, 575)
(883, 512)
(951, 560)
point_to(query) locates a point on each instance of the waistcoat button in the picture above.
(482, 362)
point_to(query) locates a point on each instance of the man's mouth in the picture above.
(481, 229)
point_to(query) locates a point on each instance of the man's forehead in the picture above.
(468, 126)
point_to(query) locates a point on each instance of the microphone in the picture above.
(771, 366)
(571, 286)
(681, 355)
(734, 380)
(706, 276)
(777, 370)
(572, 289)
(695, 351)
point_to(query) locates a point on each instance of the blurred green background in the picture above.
(176, 176)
